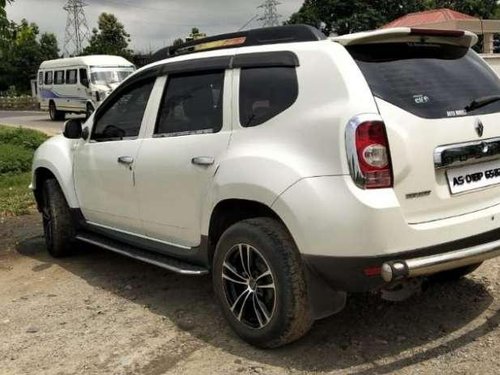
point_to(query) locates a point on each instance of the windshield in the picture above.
(429, 80)
(106, 76)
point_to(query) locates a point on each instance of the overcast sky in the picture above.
(152, 23)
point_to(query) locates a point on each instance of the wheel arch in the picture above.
(54, 159)
(230, 211)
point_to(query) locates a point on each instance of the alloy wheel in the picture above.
(249, 286)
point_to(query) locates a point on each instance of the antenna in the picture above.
(77, 29)
(271, 16)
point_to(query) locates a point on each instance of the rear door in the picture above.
(445, 157)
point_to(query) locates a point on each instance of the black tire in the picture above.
(455, 274)
(270, 246)
(54, 114)
(58, 225)
(89, 111)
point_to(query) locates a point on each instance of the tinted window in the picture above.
(40, 79)
(122, 117)
(83, 75)
(59, 77)
(428, 80)
(265, 93)
(71, 78)
(48, 78)
(192, 104)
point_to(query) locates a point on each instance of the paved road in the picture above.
(32, 120)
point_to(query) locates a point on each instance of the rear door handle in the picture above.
(203, 160)
(127, 160)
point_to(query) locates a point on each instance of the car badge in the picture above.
(479, 128)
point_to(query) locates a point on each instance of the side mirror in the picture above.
(85, 82)
(73, 129)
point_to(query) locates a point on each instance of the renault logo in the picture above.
(479, 128)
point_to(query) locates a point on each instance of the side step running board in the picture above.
(163, 261)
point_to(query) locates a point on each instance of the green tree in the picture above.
(479, 8)
(110, 38)
(342, 17)
(49, 47)
(4, 25)
(22, 53)
(3, 14)
(178, 42)
(195, 34)
(25, 55)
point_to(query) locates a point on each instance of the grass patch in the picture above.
(16, 153)
(15, 196)
(26, 138)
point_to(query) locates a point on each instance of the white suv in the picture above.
(294, 168)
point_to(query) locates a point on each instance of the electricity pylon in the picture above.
(77, 29)
(271, 16)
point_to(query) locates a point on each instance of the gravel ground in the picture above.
(99, 313)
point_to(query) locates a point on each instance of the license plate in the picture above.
(473, 177)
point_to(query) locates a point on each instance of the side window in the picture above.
(59, 77)
(40, 79)
(83, 76)
(48, 78)
(71, 78)
(122, 117)
(191, 104)
(265, 93)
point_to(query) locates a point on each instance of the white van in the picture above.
(79, 84)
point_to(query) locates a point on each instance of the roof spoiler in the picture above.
(407, 34)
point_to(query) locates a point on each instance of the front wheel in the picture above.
(259, 281)
(58, 225)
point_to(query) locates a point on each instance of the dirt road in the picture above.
(99, 313)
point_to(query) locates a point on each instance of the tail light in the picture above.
(368, 152)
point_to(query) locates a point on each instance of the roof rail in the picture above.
(255, 37)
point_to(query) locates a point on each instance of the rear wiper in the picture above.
(482, 102)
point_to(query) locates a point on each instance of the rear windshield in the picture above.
(429, 80)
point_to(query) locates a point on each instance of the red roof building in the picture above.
(435, 16)
(447, 19)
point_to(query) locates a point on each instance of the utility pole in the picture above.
(77, 29)
(271, 16)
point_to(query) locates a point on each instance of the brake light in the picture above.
(434, 32)
(368, 152)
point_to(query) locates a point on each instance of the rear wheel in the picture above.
(54, 114)
(455, 274)
(58, 225)
(259, 281)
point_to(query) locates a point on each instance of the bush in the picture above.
(15, 159)
(26, 138)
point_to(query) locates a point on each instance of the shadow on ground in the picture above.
(369, 330)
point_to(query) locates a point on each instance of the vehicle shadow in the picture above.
(368, 331)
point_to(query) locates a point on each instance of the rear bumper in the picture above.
(423, 266)
(367, 273)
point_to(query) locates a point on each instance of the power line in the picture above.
(271, 16)
(77, 29)
(248, 23)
